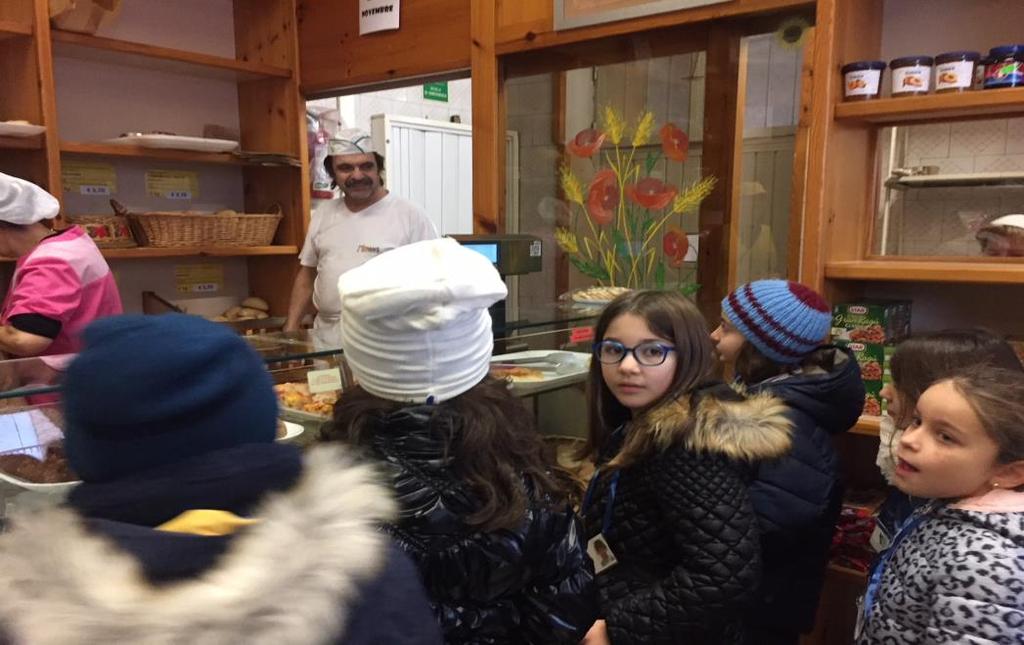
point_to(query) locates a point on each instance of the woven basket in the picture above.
(107, 231)
(180, 229)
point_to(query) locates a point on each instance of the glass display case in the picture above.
(544, 353)
(953, 189)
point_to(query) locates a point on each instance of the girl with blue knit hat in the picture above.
(773, 335)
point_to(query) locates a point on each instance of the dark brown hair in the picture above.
(672, 317)
(923, 359)
(489, 433)
(997, 396)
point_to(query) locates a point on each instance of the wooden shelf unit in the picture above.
(178, 61)
(21, 143)
(270, 117)
(867, 426)
(162, 154)
(935, 107)
(897, 270)
(14, 29)
(148, 252)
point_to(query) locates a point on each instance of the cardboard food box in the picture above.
(879, 322)
(874, 404)
(85, 16)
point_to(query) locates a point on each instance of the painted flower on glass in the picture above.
(651, 193)
(616, 218)
(586, 143)
(674, 142)
(675, 244)
(603, 197)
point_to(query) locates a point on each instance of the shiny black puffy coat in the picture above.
(534, 584)
(682, 526)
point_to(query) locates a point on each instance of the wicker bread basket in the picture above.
(225, 228)
(107, 231)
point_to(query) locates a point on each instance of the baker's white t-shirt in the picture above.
(339, 240)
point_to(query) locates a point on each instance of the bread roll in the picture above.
(252, 302)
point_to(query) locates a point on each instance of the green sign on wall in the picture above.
(436, 91)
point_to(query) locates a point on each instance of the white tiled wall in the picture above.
(357, 109)
(943, 221)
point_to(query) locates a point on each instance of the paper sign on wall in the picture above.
(198, 278)
(88, 178)
(378, 15)
(172, 184)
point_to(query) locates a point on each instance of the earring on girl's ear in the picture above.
(995, 484)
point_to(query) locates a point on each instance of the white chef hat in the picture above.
(414, 321)
(22, 202)
(350, 142)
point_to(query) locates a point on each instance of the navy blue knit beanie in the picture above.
(146, 391)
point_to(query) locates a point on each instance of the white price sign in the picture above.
(94, 190)
(378, 15)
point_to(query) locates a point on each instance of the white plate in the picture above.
(291, 430)
(551, 380)
(174, 142)
(20, 129)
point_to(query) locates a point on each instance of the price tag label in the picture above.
(581, 334)
(85, 178)
(198, 278)
(327, 380)
(172, 184)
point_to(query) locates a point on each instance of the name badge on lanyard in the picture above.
(597, 547)
(866, 603)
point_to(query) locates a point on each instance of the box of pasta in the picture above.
(878, 322)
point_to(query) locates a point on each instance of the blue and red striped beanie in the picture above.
(784, 320)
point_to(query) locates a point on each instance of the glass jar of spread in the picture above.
(862, 80)
(911, 75)
(1006, 68)
(954, 71)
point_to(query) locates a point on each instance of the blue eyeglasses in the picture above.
(649, 354)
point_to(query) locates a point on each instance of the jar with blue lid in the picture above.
(911, 75)
(955, 71)
(1006, 68)
(862, 80)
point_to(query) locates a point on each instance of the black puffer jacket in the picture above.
(682, 528)
(798, 498)
(531, 585)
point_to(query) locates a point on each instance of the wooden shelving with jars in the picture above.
(270, 115)
(842, 188)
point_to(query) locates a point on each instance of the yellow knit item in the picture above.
(206, 522)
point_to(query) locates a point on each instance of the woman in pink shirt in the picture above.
(61, 282)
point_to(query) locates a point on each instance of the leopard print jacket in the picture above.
(958, 579)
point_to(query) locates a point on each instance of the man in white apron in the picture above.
(346, 232)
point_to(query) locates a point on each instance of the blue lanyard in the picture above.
(875, 581)
(609, 504)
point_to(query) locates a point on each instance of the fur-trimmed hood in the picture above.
(744, 428)
(290, 578)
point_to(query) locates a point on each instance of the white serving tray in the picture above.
(551, 380)
(20, 129)
(175, 142)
